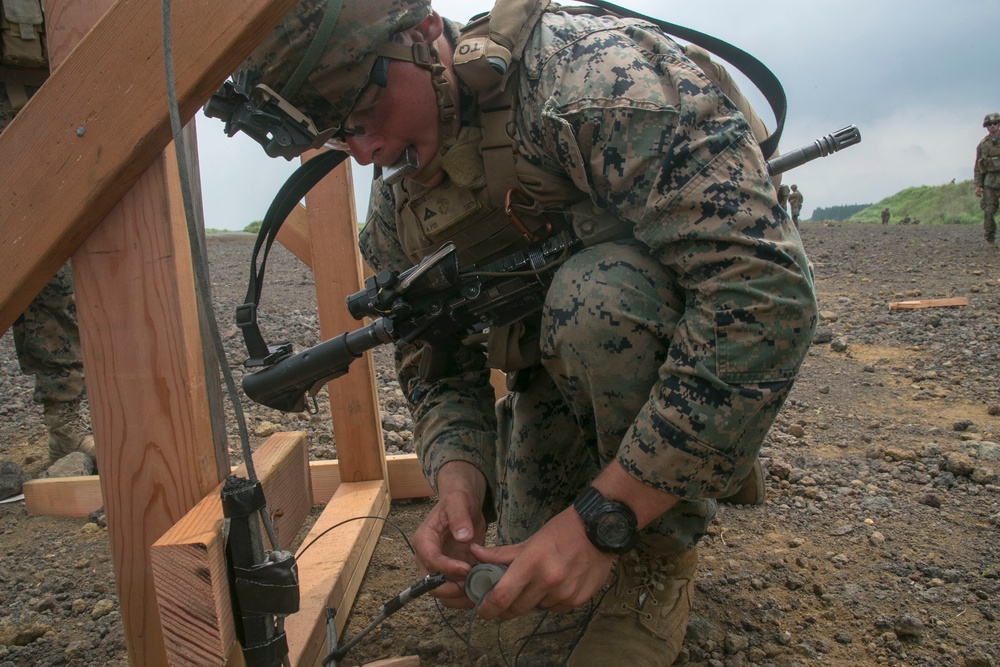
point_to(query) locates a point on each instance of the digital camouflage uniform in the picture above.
(670, 350)
(795, 202)
(987, 176)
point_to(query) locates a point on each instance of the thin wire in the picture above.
(201, 276)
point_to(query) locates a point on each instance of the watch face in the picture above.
(613, 529)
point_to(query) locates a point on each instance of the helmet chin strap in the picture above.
(426, 56)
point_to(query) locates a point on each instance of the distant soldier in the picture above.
(783, 197)
(885, 216)
(795, 200)
(987, 175)
(905, 220)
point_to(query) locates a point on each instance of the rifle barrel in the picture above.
(822, 147)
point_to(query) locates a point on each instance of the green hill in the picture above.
(949, 204)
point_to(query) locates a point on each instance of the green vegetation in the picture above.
(949, 204)
(252, 228)
(837, 212)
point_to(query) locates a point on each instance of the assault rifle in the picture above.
(437, 303)
(433, 302)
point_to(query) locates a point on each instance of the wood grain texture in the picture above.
(189, 562)
(102, 119)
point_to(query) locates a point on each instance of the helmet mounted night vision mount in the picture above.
(265, 116)
(269, 119)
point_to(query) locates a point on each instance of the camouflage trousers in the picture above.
(48, 342)
(989, 203)
(599, 360)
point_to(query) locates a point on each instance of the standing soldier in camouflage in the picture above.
(987, 175)
(795, 201)
(45, 335)
(885, 216)
(783, 193)
(665, 348)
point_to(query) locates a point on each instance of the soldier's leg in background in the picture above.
(988, 202)
(47, 341)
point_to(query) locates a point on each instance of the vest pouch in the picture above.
(450, 212)
(21, 35)
(991, 163)
(481, 63)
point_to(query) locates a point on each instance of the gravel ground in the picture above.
(878, 544)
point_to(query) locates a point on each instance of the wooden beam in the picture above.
(406, 661)
(929, 303)
(406, 479)
(336, 264)
(332, 565)
(79, 496)
(102, 119)
(294, 235)
(63, 496)
(189, 562)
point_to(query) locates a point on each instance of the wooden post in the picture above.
(336, 265)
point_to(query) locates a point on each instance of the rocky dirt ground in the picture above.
(878, 544)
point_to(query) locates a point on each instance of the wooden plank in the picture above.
(331, 568)
(498, 380)
(150, 406)
(102, 118)
(406, 479)
(405, 661)
(929, 303)
(336, 265)
(189, 562)
(63, 496)
(79, 496)
(294, 235)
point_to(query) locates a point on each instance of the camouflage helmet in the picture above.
(991, 118)
(343, 59)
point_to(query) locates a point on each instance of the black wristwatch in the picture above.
(611, 525)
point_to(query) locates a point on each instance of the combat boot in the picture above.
(642, 618)
(751, 492)
(68, 431)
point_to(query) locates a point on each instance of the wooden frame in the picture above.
(102, 189)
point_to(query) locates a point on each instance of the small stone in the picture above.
(931, 500)
(102, 609)
(76, 464)
(265, 429)
(907, 625)
(12, 479)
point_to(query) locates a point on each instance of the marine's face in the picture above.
(993, 129)
(403, 114)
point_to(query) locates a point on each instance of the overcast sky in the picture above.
(915, 76)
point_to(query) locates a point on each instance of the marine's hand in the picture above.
(979, 191)
(442, 542)
(557, 568)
